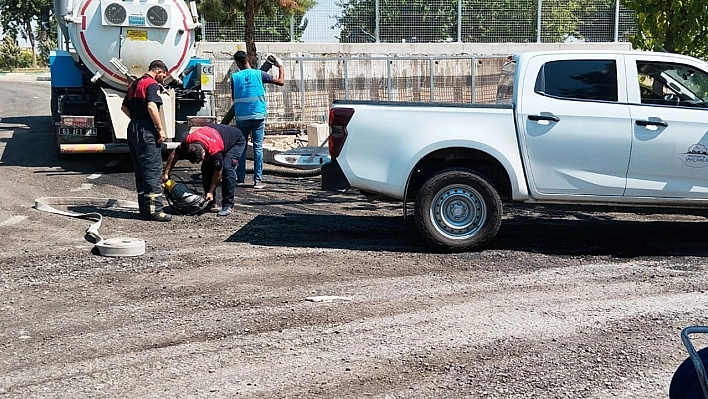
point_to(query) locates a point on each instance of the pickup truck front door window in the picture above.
(576, 128)
(669, 156)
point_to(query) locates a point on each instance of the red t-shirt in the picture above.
(140, 93)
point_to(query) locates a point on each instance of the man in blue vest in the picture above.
(250, 110)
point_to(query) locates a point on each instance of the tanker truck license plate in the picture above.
(78, 131)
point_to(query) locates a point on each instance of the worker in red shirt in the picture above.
(145, 137)
(218, 148)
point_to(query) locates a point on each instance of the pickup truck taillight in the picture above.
(338, 120)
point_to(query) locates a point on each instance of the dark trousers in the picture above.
(228, 175)
(147, 163)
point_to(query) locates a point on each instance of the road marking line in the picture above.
(13, 220)
(94, 176)
(84, 187)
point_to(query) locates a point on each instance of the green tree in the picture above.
(483, 21)
(243, 13)
(46, 45)
(11, 55)
(357, 21)
(499, 21)
(673, 26)
(16, 17)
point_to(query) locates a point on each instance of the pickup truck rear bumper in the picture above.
(333, 178)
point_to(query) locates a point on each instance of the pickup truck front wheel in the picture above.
(458, 210)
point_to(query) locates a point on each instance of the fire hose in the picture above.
(119, 246)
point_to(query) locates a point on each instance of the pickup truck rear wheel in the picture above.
(458, 210)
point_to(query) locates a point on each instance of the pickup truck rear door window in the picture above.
(575, 125)
(579, 79)
(669, 157)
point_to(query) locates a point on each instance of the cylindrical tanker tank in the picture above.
(134, 32)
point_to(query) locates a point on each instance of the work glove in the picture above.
(274, 60)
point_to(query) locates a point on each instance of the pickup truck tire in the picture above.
(458, 210)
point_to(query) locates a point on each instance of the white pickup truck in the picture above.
(620, 129)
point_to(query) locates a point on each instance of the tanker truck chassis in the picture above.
(106, 45)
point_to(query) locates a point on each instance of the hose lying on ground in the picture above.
(120, 246)
(287, 172)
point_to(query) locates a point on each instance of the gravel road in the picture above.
(562, 305)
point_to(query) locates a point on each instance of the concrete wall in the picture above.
(317, 73)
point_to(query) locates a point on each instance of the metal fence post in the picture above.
(378, 17)
(388, 78)
(302, 89)
(538, 22)
(346, 79)
(432, 80)
(472, 79)
(459, 21)
(292, 28)
(617, 18)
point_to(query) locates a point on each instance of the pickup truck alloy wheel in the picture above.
(458, 210)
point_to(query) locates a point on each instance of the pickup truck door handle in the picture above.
(651, 123)
(544, 118)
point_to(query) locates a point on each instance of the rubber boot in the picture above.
(143, 205)
(156, 212)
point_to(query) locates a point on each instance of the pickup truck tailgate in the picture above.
(386, 140)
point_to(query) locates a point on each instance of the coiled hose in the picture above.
(287, 172)
(274, 169)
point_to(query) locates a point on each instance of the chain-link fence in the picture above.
(313, 83)
(468, 21)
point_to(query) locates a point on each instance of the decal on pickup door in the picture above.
(696, 156)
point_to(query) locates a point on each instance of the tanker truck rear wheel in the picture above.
(458, 210)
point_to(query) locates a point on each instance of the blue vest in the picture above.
(249, 95)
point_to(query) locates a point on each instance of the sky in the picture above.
(319, 22)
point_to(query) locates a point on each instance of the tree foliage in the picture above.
(242, 14)
(47, 42)
(12, 56)
(16, 17)
(482, 21)
(675, 26)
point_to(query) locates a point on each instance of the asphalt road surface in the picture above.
(562, 305)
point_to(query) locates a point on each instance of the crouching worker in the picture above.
(218, 147)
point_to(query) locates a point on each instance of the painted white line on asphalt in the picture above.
(84, 187)
(94, 176)
(13, 220)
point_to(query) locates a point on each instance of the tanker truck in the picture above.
(106, 44)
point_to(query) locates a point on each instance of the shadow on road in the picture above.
(32, 144)
(601, 236)
(593, 236)
(364, 233)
